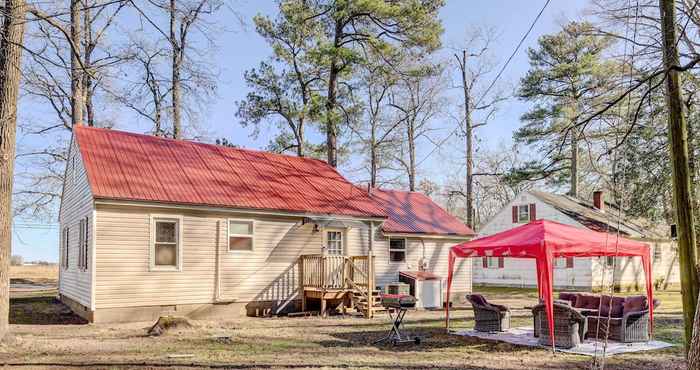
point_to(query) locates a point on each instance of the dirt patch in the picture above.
(42, 311)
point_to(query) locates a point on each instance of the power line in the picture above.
(498, 76)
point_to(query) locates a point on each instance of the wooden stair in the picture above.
(360, 303)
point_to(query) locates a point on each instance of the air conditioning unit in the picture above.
(397, 288)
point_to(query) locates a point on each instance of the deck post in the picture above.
(302, 291)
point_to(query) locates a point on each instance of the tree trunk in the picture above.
(574, 164)
(176, 64)
(331, 129)
(373, 155)
(683, 204)
(411, 155)
(87, 62)
(76, 80)
(470, 151)
(10, 58)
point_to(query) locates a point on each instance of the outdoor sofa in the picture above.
(624, 319)
(489, 317)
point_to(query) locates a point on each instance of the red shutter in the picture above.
(500, 262)
(533, 212)
(569, 262)
(485, 262)
(515, 214)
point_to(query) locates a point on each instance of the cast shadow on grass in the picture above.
(44, 310)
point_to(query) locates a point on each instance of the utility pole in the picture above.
(683, 204)
(468, 128)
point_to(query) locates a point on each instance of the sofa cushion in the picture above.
(562, 302)
(567, 296)
(478, 299)
(612, 306)
(635, 303)
(587, 301)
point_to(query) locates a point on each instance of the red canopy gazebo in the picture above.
(543, 241)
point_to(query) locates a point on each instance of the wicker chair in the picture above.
(633, 326)
(489, 317)
(569, 325)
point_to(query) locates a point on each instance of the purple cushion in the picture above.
(635, 303)
(615, 309)
(571, 297)
(587, 301)
(478, 299)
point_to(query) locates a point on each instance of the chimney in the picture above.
(598, 201)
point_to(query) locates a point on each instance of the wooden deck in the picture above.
(349, 280)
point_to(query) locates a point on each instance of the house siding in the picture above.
(434, 252)
(76, 204)
(523, 272)
(267, 273)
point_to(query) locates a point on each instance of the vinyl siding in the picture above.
(434, 252)
(76, 204)
(268, 272)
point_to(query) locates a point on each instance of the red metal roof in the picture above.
(128, 166)
(415, 213)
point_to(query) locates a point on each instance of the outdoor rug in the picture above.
(523, 336)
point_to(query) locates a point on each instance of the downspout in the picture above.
(217, 269)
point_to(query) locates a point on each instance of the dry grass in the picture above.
(35, 273)
(336, 342)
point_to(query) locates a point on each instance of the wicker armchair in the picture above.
(633, 326)
(569, 325)
(489, 317)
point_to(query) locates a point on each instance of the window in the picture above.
(524, 214)
(166, 243)
(559, 263)
(657, 253)
(397, 250)
(83, 244)
(494, 262)
(334, 242)
(610, 261)
(66, 244)
(240, 235)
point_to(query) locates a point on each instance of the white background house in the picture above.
(575, 273)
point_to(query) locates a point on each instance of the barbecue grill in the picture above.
(396, 306)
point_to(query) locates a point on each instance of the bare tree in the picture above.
(474, 65)
(418, 98)
(10, 58)
(189, 74)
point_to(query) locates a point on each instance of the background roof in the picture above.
(415, 213)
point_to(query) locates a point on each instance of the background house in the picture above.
(578, 273)
(152, 226)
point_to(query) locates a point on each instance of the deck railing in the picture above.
(335, 272)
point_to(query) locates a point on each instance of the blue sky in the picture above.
(243, 49)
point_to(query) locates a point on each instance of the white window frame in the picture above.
(527, 219)
(404, 250)
(492, 263)
(229, 235)
(152, 245)
(342, 240)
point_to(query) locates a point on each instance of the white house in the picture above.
(575, 273)
(152, 226)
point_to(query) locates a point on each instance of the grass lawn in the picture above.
(311, 342)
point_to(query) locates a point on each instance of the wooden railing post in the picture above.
(302, 291)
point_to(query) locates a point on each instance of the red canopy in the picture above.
(545, 240)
